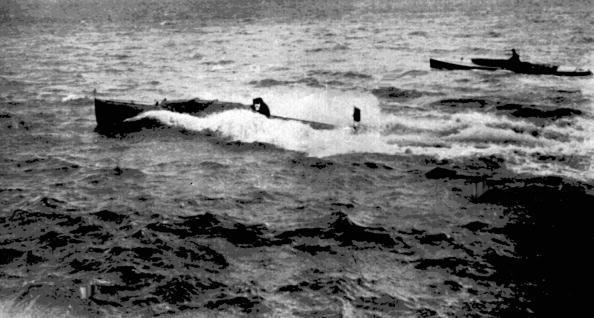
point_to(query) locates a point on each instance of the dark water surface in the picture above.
(467, 194)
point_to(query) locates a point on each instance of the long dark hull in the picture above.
(518, 67)
(111, 115)
(437, 64)
(530, 68)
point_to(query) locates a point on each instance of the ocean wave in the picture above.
(418, 33)
(337, 227)
(356, 292)
(582, 39)
(197, 56)
(461, 267)
(461, 103)
(397, 93)
(412, 73)
(307, 81)
(340, 74)
(538, 112)
(269, 82)
(336, 47)
(533, 112)
(210, 225)
(493, 34)
(218, 63)
(72, 98)
(47, 165)
(120, 56)
(494, 135)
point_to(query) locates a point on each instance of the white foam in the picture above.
(488, 134)
(247, 126)
(330, 106)
(427, 133)
(314, 104)
(71, 97)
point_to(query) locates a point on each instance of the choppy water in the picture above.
(468, 193)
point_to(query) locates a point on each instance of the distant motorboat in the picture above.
(510, 65)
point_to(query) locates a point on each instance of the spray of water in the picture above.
(428, 133)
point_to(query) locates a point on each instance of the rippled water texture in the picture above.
(466, 193)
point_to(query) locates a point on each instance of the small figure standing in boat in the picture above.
(515, 58)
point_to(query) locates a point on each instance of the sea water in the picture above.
(465, 194)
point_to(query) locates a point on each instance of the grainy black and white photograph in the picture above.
(296, 158)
